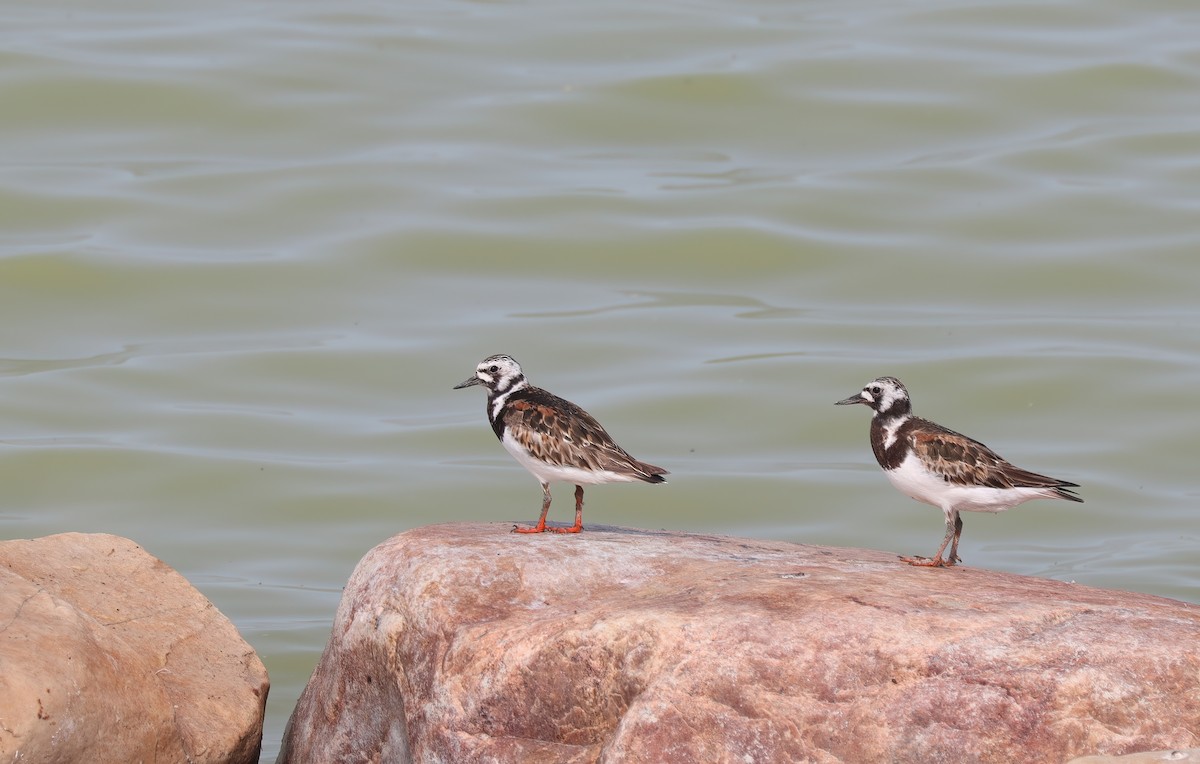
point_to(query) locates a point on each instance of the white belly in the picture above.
(914, 481)
(549, 473)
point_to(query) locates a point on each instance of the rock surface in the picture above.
(465, 643)
(109, 655)
(1149, 757)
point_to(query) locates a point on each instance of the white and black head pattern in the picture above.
(886, 396)
(498, 373)
(502, 376)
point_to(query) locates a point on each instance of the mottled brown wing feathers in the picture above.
(559, 432)
(964, 461)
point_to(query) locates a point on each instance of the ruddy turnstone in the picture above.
(943, 468)
(554, 439)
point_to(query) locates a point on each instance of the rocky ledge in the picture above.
(109, 655)
(466, 643)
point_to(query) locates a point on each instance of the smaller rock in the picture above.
(107, 654)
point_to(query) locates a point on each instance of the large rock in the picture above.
(109, 655)
(466, 643)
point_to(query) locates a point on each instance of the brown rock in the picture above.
(109, 655)
(465, 643)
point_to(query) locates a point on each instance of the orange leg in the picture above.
(953, 531)
(541, 523)
(578, 526)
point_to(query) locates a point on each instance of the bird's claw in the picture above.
(925, 562)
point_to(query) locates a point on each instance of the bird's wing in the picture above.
(559, 432)
(965, 461)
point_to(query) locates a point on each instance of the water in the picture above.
(246, 250)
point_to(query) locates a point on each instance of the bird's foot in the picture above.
(534, 529)
(925, 562)
(572, 529)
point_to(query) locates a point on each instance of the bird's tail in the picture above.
(652, 474)
(1064, 492)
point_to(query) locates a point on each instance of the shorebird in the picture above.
(943, 468)
(553, 438)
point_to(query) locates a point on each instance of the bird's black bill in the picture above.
(856, 398)
(467, 383)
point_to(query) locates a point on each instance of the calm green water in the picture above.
(247, 249)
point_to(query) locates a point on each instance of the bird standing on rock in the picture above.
(943, 468)
(553, 438)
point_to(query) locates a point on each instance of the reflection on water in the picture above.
(245, 252)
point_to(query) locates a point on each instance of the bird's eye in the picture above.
(874, 390)
(493, 368)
